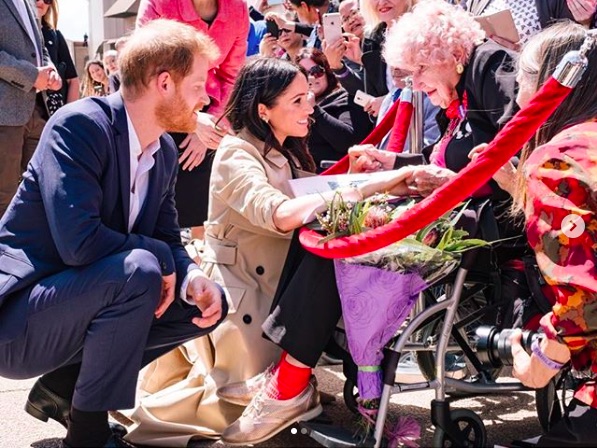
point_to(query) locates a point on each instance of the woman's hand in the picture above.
(391, 182)
(583, 11)
(516, 46)
(373, 106)
(529, 369)
(505, 177)
(281, 21)
(334, 53)
(194, 152)
(353, 48)
(208, 132)
(426, 178)
(267, 46)
(369, 159)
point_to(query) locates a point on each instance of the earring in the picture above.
(459, 68)
(264, 118)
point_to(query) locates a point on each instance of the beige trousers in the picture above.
(17, 144)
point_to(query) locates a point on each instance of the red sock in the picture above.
(288, 380)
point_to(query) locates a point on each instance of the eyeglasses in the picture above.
(349, 16)
(317, 71)
(285, 30)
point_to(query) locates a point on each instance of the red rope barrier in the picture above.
(389, 121)
(401, 126)
(505, 145)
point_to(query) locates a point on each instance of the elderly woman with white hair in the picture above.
(472, 79)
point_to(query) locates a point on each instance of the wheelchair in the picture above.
(440, 332)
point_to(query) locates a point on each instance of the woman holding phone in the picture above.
(531, 16)
(337, 122)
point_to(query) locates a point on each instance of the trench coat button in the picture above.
(247, 319)
(33, 55)
(260, 270)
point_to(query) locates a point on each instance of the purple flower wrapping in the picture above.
(375, 302)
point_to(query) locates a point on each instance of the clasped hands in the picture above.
(201, 290)
(413, 180)
(422, 179)
(47, 79)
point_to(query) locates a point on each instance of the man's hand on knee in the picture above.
(208, 297)
(168, 286)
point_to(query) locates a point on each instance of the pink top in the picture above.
(229, 30)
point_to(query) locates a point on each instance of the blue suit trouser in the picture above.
(101, 316)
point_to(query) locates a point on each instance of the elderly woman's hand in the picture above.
(505, 177)
(426, 178)
(368, 159)
(583, 11)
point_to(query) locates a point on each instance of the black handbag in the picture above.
(54, 101)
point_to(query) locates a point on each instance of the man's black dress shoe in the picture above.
(44, 404)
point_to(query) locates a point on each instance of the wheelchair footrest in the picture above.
(333, 436)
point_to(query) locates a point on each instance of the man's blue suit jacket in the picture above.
(72, 206)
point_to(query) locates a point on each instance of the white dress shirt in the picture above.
(27, 20)
(141, 164)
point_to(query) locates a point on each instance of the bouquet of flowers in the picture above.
(379, 289)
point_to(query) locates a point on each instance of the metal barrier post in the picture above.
(415, 132)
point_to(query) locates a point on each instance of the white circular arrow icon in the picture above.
(573, 226)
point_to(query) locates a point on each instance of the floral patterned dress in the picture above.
(562, 180)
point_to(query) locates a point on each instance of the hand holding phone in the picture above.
(361, 98)
(500, 24)
(271, 28)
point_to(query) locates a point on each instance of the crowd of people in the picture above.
(198, 119)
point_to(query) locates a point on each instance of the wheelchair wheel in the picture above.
(549, 409)
(351, 396)
(550, 403)
(471, 427)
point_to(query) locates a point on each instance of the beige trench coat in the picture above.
(245, 253)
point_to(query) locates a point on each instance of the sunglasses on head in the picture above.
(317, 71)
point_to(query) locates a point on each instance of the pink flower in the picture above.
(376, 216)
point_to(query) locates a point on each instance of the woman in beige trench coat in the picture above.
(251, 218)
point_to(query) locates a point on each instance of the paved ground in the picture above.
(506, 417)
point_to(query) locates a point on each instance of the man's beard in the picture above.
(174, 115)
